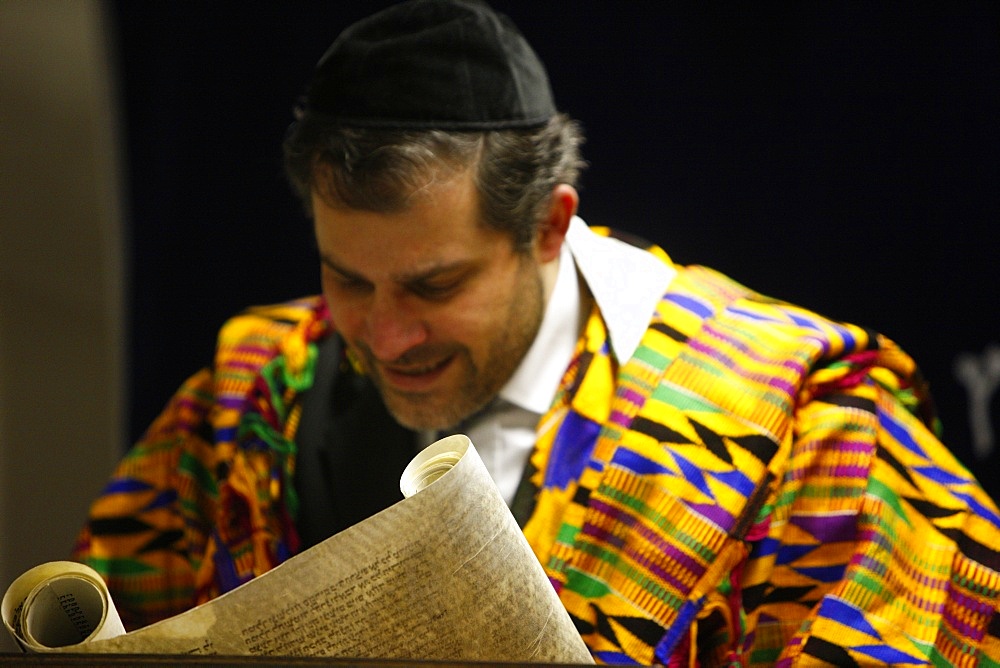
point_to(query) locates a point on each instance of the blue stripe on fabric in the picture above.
(665, 648)
(614, 658)
(788, 554)
(939, 475)
(765, 547)
(848, 615)
(162, 500)
(822, 573)
(978, 508)
(694, 475)
(571, 449)
(802, 321)
(900, 433)
(735, 479)
(226, 434)
(752, 315)
(889, 655)
(225, 568)
(636, 463)
(693, 305)
(126, 485)
(850, 343)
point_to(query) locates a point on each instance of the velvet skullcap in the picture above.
(432, 64)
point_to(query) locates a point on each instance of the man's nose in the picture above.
(393, 328)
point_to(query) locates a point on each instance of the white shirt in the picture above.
(626, 283)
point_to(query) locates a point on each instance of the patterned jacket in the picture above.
(756, 486)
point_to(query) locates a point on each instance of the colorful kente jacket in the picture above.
(756, 486)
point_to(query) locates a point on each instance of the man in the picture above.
(707, 475)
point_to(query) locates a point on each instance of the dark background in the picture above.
(844, 156)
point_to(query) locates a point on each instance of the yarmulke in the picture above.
(432, 64)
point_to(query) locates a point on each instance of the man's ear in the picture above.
(552, 229)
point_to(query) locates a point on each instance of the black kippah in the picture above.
(432, 64)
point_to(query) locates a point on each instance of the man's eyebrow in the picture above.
(404, 278)
(330, 263)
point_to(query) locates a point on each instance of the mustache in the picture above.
(423, 355)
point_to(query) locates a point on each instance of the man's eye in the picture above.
(436, 290)
(348, 284)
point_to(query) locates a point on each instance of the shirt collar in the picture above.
(627, 283)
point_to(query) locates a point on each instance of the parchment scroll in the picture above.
(444, 574)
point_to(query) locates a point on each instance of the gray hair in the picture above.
(371, 169)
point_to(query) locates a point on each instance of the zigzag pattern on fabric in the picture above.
(725, 436)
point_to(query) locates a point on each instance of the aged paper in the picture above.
(60, 603)
(444, 574)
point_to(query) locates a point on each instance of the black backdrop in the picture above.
(844, 156)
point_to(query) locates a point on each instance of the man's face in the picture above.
(439, 308)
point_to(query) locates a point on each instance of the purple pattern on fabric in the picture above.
(828, 528)
(190, 403)
(234, 401)
(246, 365)
(620, 419)
(870, 563)
(251, 349)
(964, 604)
(713, 513)
(669, 553)
(631, 396)
(731, 363)
(602, 534)
(751, 353)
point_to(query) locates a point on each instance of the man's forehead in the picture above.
(397, 192)
(440, 230)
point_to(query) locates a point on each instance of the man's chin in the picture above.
(417, 413)
(428, 412)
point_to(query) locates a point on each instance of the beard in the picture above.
(473, 381)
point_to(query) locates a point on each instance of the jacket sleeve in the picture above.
(877, 544)
(146, 532)
(204, 501)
